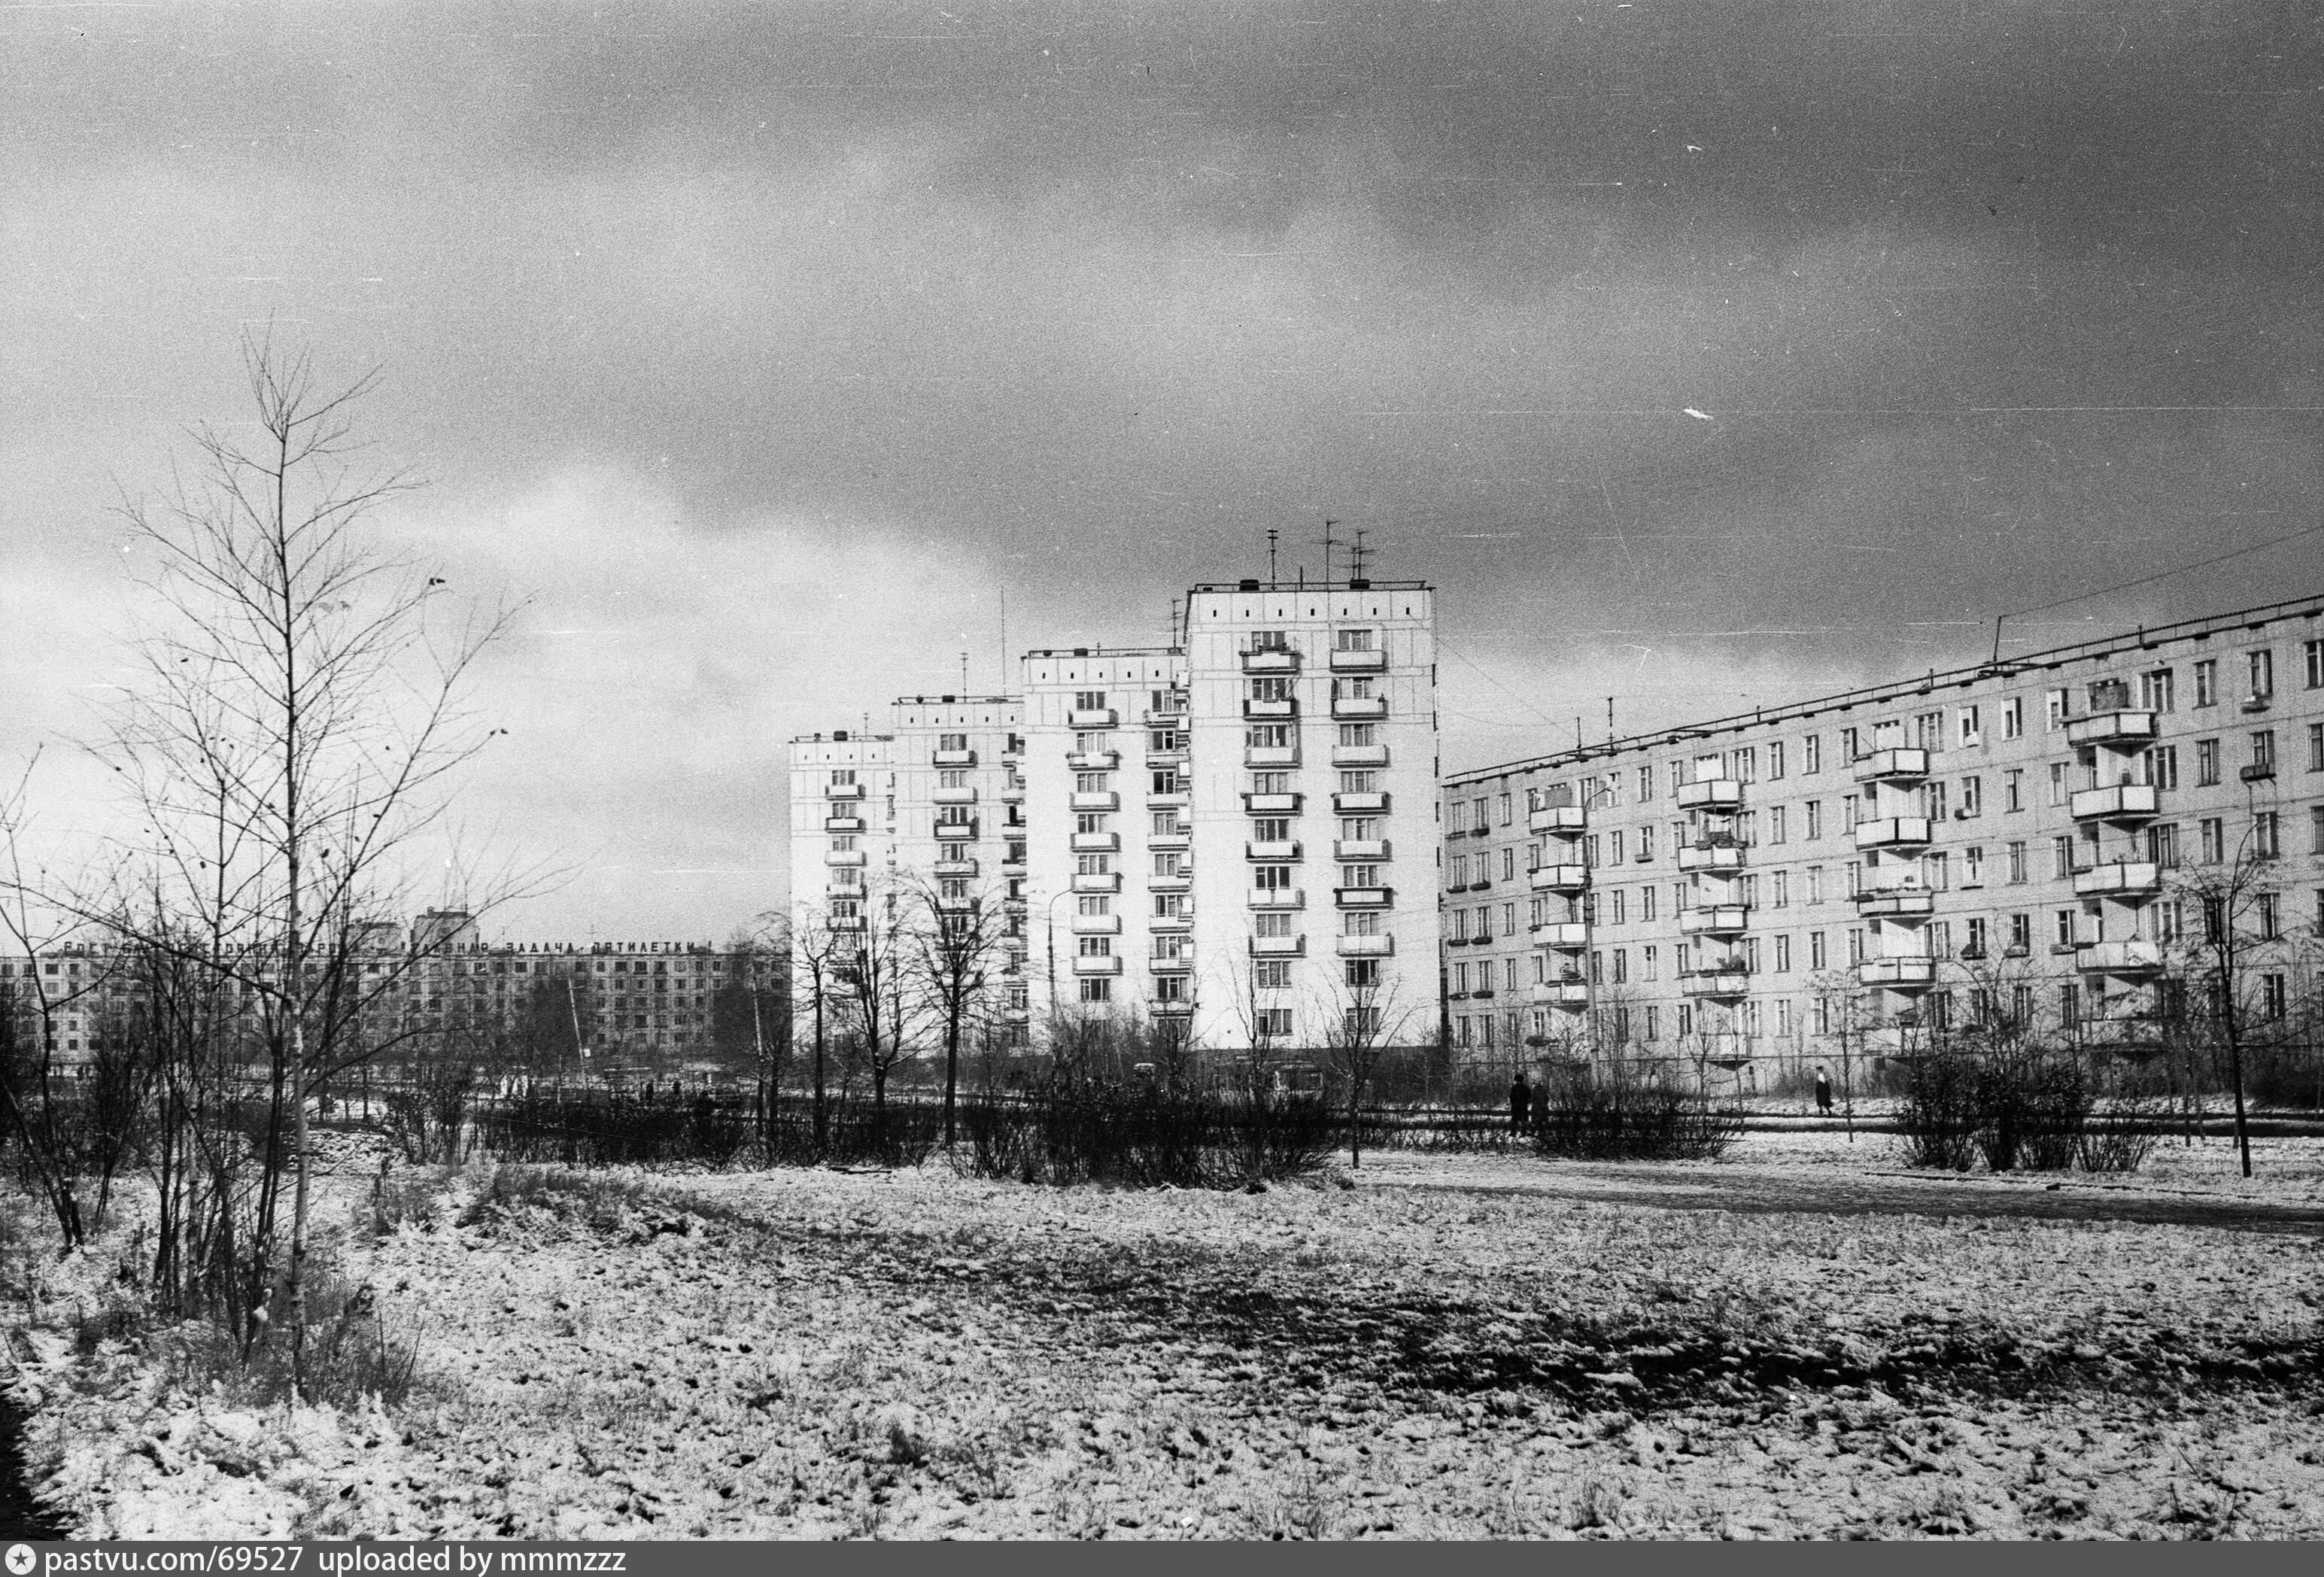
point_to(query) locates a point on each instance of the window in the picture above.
(1973, 866)
(1646, 844)
(1090, 821)
(1812, 753)
(1271, 687)
(1271, 878)
(2154, 691)
(1972, 797)
(2266, 835)
(1089, 700)
(1361, 923)
(1271, 924)
(1850, 748)
(2260, 666)
(2063, 930)
(1816, 959)
(1929, 731)
(1083, 782)
(1649, 962)
(1360, 876)
(2057, 782)
(2058, 706)
(1359, 735)
(1775, 824)
(2160, 765)
(1270, 829)
(2215, 839)
(1097, 989)
(2272, 1000)
(2270, 917)
(952, 741)
(2262, 751)
(1275, 1023)
(1783, 955)
(1093, 946)
(1364, 972)
(1353, 639)
(1856, 944)
(1815, 819)
(1366, 781)
(1093, 903)
(2017, 862)
(2162, 845)
(1271, 975)
(1933, 799)
(1779, 883)
(2061, 857)
(1815, 884)
(2013, 717)
(2207, 682)
(1975, 946)
(1269, 736)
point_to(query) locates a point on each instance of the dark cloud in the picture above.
(1980, 310)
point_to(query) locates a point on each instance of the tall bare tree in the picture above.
(2234, 958)
(1364, 1017)
(874, 964)
(953, 942)
(292, 738)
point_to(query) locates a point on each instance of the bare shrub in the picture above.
(1620, 1114)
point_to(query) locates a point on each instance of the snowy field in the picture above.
(1428, 1348)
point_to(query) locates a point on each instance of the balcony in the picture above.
(1091, 761)
(1270, 755)
(1270, 711)
(1175, 1008)
(1092, 717)
(1104, 964)
(2112, 728)
(1174, 715)
(1013, 862)
(1711, 794)
(1891, 832)
(956, 831)
(1096, 843)
(956, 868)
(1179, 881)
(956, 758)
(1360, 755)
(2122, 879)
(1731, 979)
(1358, 662)
(1098, 881)
(844, 923)
(1725, 919)
(1360, 709)
(1094, 799)
(1565, 935)
(1170, 922)
(1271, 660)
(1893, 766)
(1895, 903)
(844, 791)
(844, 857)
(1359, 849)
(1171, 963)
(1177, 838)
(1012, 792)
(1177, 799)
(1710, 857)
(1363, 898)
(1272, 849)
(1095, 925)
(1561, 993)
(1278, 898)
(1360, 804)
(952, 796)
(2131, 958)
(843, 824)
(1559, 878)
(2124, 802)
(1909, 973)
(2258, 773)
(1166, 757)
(1279, 947)
(1558, 818)
(1271, 804)
(1364, 947)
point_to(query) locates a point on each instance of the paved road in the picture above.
(1767, 1190)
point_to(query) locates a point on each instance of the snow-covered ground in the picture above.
(1418, 1349)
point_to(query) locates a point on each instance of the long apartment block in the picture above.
(2013, 838)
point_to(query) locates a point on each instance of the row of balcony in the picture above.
(1283, 660)
(1346, 898)
(1344, 946)
(1269, 756)
(1370, 803)
(1731, 977)
(1344, 709)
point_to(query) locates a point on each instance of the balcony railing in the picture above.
(1557, 818)
(1358, 662)
(1177, 838)
(1094, 799)
(1895, 903)
(953, 796)
(1279, 947)
(1171, 963)
(1710, 857)
(2123, 802)
(1726, 980)
(2112, 728)
(1097, 881)
(843, 824)
(1360, 755)
(2128, 957)
(1159, 801)
(1278, 898)
(2120, 878)
(1891, 832)
(1270, 660)
(2258, 773)
(1358, 709)
(1096, 843)
(1565, 935)
(1893, 766)
(1263, 711)
(1711, 794)
(956, 868)
(1092, 717)
(1270, 755)
(1178, 880)
(1360, 804)
(1363, 947)
(1363, 898)
(1903, 973)
(1559, 879)
(1561, 993)
(956, 758)
(844, 791)
(1273, 849)
(1359, 849)
(844, 857)
(1169, 922)
(1095, 925)
(1726, 919)
(1103, 963)
(1092, 760)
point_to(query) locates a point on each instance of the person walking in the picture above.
(1520, 1102)
(1824, 1093)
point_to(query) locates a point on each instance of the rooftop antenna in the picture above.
(1173, 620)
(1609, 720)
(963, 676)
(1328, 543)
(1356, 554)
(1004, 639)
(1271, 534)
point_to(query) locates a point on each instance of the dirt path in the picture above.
(1770, 1190)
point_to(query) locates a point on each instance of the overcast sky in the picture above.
(1701, 355)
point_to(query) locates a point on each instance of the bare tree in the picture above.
(953, 943)
(2233, 959)
(872, 965)
(293, 735)
(1364, 1017)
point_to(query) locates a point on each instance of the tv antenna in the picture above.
(1271, 534)
(1356, 556)
(1328, 544)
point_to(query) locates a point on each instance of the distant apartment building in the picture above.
(1232, 838)
(1893, 862)
(844, 826)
